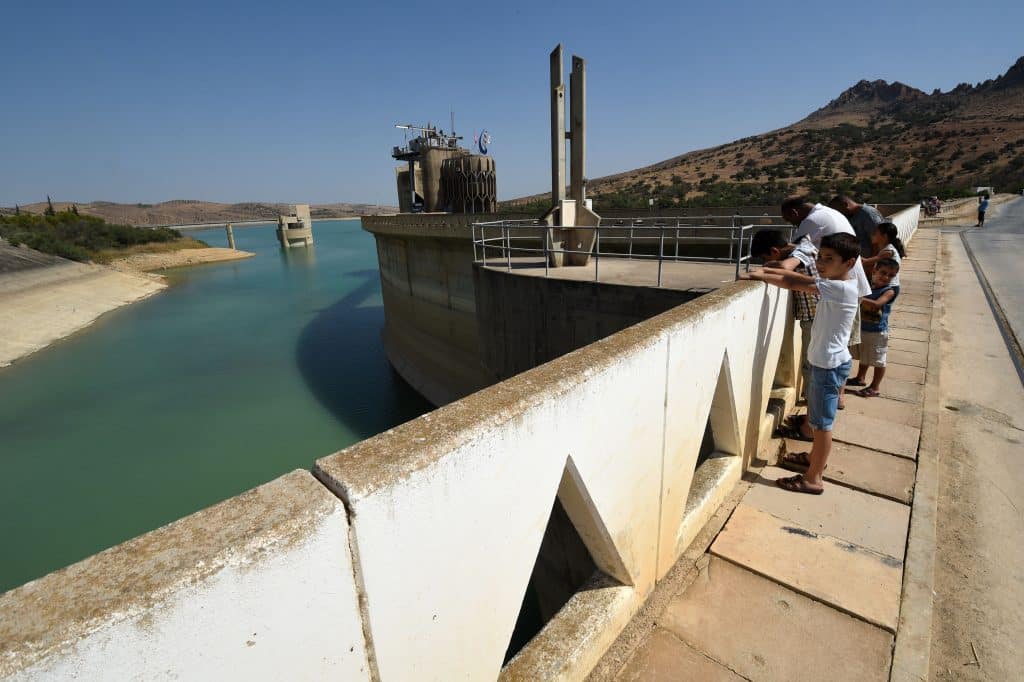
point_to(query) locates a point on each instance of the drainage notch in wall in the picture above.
(563, 565)
(576, 553)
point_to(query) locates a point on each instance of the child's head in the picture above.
(768, 245)
(885, 270)
(837, 255)
(886, 234)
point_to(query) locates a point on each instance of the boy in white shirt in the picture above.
(827, 351)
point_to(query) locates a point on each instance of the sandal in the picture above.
(855, 382)
(797, 484)
(794, 460)
(868, 393)
(793, 433)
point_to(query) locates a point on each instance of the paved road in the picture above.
(999, 250)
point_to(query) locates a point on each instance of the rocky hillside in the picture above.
(879, 141)
(186, 212)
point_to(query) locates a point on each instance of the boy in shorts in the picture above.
(827, 351)
(874, 325)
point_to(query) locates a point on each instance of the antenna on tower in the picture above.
(452, 112)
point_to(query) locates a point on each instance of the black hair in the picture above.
(840, 199)
(892, 233)
(793, 203)
(846, 245)
(766, 240)
(888, 263)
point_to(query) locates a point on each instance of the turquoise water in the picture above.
(234, 375)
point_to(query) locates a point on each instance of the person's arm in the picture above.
(886, 252)
(790, 263)
(784, 279)
(878, 303)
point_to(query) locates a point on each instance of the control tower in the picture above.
(442, 177)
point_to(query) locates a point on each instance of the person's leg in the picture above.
(822, 402)
(805, 368)
(874, 345)
(876, 378)
(820, 451)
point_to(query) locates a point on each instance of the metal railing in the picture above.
(495, 243)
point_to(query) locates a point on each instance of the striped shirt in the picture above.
(805, 305)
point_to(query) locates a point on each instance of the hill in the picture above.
(880, 141)
(189, 212)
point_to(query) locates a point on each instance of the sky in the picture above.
(296, 102)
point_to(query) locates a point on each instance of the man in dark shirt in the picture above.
(862, 217)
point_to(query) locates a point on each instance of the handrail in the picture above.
(503, 238)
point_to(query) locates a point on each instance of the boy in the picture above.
(874, 325)
(827, 351)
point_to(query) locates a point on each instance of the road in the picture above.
(979, 559)
(998, 249)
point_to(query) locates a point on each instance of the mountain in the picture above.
(188, 212)
(878, 141)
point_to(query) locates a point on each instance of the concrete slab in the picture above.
(762, 639)
(663, 657)
(921, 300)
(912, 320)
(916, 309)
(851, 515)
(903, 373)
(912, 345)
(886, 409)
(878, 473)
(908, 391)
(920, 335)
(877, 434)
(906, 357)
(844, 575)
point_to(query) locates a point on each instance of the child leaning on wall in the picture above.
(827, 352)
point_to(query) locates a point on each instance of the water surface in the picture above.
(234, 375)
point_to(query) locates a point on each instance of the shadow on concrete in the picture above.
(342, 360)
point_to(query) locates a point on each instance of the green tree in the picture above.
(49, 207)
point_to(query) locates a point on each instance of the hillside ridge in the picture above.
(881, 141)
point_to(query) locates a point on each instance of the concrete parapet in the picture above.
(259, 586)
(613, 430)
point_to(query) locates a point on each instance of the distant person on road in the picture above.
(827, 352)
(862, 217)
(982, 207)
(874, 326)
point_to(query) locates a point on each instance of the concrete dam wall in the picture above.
(411, 555)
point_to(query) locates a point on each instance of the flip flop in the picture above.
(868, 393)
(797, 484)
(793, 433)
(794, 460)
(855, 382)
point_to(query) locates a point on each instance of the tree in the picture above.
(74, 209)
(49, 207)
(17, 210)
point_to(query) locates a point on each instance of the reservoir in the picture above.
(234, 375)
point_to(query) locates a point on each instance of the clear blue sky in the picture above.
(144, 102)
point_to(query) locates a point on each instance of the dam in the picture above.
(591, 422)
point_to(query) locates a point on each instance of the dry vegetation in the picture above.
(879, 141)
(189, 212)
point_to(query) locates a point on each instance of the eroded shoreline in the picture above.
(44, 299)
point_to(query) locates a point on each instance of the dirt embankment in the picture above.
(44, 298)
(149, 262)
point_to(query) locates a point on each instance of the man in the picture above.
(815, 221)
(863, 219)
(982, 208)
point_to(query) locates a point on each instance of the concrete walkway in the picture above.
(800, 587)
